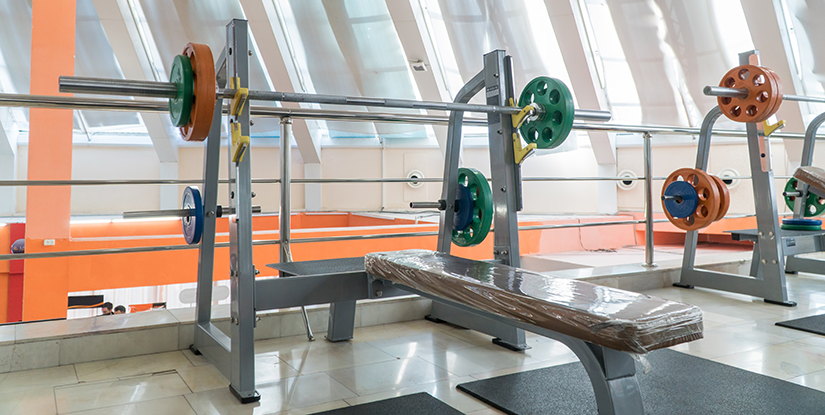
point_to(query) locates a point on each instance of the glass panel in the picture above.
(94, 57)
(807, 34)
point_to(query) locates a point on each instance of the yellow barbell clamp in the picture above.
(240, 143)
(520, 152)
(769, 129)
(240, 98)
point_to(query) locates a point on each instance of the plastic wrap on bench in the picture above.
(812, 176)
(613, 318)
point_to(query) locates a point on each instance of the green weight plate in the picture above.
(475, 233)
(802, 227)
(551, 127)
(181, 75)
(813, 206)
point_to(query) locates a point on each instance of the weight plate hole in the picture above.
(547, 133)
(541, 88)
(759, 80)
(704, 211)
(692, 179)
(557, 117)
(726, 100)
(555, 96)
(812, 209)
(752, 110)
(531, 98)
(792, 198)
(794, 184)
(762, 96)
(690, 220)
(730, 82)
(744, 74)
(534, 133)
(736, 111)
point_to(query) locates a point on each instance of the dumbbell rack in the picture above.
(767, 273)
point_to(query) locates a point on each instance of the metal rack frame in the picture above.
(767, 273)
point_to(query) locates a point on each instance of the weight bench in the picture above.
(605, 327)
(813, 177)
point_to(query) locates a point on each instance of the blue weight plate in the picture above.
(802, 222)
(192, 225)
(464, 217)
(690, 199)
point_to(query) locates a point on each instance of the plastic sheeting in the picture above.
(610, 317)
(812, 176)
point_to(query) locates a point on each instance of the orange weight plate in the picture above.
(778, 88)
(709, 203)
(724, 197)
(764, 94)
(203, 104)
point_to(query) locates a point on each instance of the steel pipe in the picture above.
(720, 91)
(95, 104)
(648, 201)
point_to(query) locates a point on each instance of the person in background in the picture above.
(120, 310)
(106, 308)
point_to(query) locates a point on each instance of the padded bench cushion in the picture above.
(610, 317)
(813, 177)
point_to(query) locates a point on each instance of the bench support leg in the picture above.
(613, 375)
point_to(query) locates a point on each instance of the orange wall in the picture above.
(98, 272)
(5, 248)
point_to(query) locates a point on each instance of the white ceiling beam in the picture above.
(271, 40)
(571, 36)
(410, 24)
(770, 37)
(121, 29)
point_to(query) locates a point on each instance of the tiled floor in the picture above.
(295, 376)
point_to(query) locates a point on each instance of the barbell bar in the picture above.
(179, 213)
(741, 93)
(153, 89)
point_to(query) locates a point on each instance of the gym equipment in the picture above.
(763, 93)
(693, 199)
(183, 77)
(802, 224)
(750, 93)
(680, 199)
(554, 109)
(555, 113)
(193, 223)
(474, 209)
(814, 205)
(233, 354)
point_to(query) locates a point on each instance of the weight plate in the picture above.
(724, 197)
(814, 205)
(203, 103)
(803, 222)
(555, 120)
(709, 199)
(801, 227)
(464, 202)
(482, 216)
(181, 75)
(764, 94)
(192, 225)
(687, 205)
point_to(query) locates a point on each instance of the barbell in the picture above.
(192, 91)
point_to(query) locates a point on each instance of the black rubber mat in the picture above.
(417, 404)
(812, 324)
(677, 384)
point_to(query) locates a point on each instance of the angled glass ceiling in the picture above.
(652, 56)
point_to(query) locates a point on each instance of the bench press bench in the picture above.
(605, 327)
